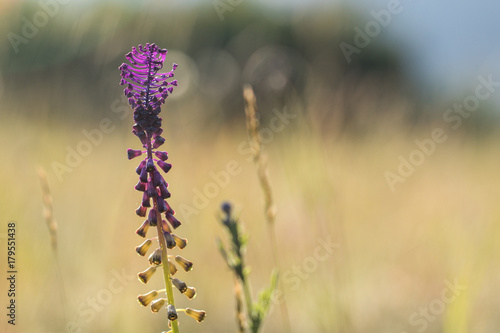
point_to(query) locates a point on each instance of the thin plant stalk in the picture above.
(164, 254)
(248, 298)
(240, 317)
(48, 213)
(263, 175)
(235, 259)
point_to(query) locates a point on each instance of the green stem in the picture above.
(163, 245)
(166, 269)
(249, 302)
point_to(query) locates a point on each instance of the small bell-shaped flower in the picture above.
(198, 315)
(147, 298)
(147, 274)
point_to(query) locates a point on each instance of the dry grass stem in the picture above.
(269, 208)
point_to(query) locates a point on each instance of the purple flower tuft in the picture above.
(145, 88)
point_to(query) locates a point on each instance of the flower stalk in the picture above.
(147, 91)
(235, 259)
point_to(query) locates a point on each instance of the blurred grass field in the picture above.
(395, 250)
(422, 258)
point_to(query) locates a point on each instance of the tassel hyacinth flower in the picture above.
(147, 90)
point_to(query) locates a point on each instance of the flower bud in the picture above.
(171, 267)
(181, 286)
(190, 292)
(181, 242)
(140, 167)
(158, 179)
(226, 208)
(171, 312)
(159, 131)
(175, 223)
(165, 194)
(143, 137)
(163, 206)
(165, 227)
(184, 263)
(147, 298)
(157, 304)
(169, 239)
(144, 247)
(132, 153)
(152, 218)
(143, 177)
(140, 186)
(143, 229)
(155, 257)
(146, 202)
(198, 315)
(165, 166)
(150, 165)
(141, 211)
(158, 142)
(162, 155)
(147, 274)
(151, 190)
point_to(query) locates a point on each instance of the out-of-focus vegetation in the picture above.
(350, 124)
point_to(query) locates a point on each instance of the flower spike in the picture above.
(147, 88)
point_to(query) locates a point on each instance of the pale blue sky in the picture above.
(446, 43)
